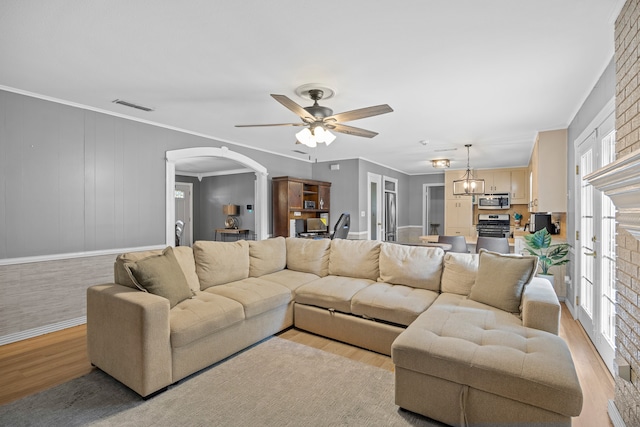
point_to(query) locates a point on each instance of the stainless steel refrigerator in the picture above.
(390, 225)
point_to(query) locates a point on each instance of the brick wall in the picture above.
(627, 57)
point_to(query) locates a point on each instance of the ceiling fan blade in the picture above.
(360, 113)
(350, 130)
(272, 124)
(297, 109)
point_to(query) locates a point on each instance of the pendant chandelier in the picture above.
(468, 185)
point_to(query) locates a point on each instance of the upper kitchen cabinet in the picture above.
(548, 172)
(495, 180)
(519, 186)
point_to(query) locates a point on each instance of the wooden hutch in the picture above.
(296, 198)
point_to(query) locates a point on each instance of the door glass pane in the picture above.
(587, 232)
(608, 248)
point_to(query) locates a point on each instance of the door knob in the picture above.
(593, 254)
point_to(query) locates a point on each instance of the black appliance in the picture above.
(493, 225)
(538, 221)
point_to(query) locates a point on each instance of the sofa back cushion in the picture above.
(218, 263)
(267, 256)
(415, 266)
(459, 272)
(354, 258)
(308, 255)
(501, 279)
(183, 254)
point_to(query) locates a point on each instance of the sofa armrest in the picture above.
(540, 306)
(128, 336)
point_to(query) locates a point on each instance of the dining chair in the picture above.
(494, 244)
(458, 243)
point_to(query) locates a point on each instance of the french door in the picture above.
(595, 244)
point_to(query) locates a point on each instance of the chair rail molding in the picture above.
(620, 180)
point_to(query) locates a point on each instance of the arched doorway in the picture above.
(172, 156)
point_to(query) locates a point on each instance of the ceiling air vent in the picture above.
(131, 104)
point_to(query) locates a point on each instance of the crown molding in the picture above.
(620, 180)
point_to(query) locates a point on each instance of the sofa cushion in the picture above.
(290, 278)
(332, 292)
(201, 316)
(184, 255)
(416, 266)
(256, 295)
(308, 255)
(221, 262)
(392, 303)
(160, 275)
(354, 258)
(472, 344)
(267, 256)
(459, 272)
(501, 279)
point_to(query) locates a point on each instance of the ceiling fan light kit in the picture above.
(318, 120)
(468, 185)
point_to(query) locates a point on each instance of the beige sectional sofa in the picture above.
(468, 349)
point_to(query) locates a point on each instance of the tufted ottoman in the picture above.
(465, 363)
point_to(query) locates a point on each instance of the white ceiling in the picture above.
(491, 73)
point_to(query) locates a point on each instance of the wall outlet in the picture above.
(363, 214)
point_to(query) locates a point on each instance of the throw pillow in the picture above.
(160, 275)
(501, 279)
(459, 272)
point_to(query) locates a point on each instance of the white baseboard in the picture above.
(614, 415)
(41, 330)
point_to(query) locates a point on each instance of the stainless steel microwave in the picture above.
(494, 201)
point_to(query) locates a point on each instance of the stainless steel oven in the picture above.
(493, 225)
(494, 201)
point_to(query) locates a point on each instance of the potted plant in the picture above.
(539, 244)
(517, 217)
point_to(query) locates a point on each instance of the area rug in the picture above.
(273, 383)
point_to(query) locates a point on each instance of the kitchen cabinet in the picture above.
(548, 172)
(458, 210)
(519, 186)
(458, 217)
(495, 180)
(296, 198)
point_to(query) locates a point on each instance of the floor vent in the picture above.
(131, 104)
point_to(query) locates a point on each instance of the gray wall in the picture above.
(344, 189)
(415, 189)
(403, 199)
(216, 191)
(602, 92)
(73, 180)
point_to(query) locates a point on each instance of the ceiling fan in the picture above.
(319, 120)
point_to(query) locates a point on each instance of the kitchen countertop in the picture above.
(471, 240)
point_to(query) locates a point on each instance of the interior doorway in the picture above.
(432, 209)
(261, 206)
(184, 211)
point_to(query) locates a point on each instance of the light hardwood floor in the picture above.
(37, 364)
